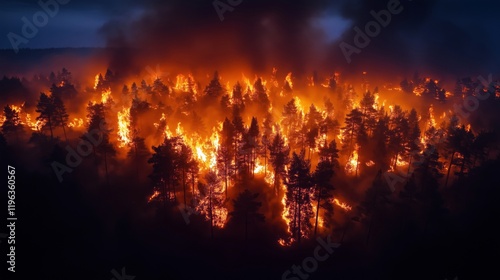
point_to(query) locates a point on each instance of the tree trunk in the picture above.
(106, 167)
(409, 167)
(317, 212)
(449, 169)
(396, 162)
(211, 213)
(225, 176)
(184, 184)
(276, 182)
(463, 166)
(265, 160)
(50, 127)
(369, 228)
(64, 130)
(357, 165)
(246, 227)
(299, 218)
(193, 194)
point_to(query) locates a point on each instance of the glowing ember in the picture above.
(153, 196)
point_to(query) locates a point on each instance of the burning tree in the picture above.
(225, 152)
(211, 201)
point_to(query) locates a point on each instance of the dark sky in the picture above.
(449, 35)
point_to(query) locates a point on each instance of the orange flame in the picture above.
(124, 128)
(342, 205)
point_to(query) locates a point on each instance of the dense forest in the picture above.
(239, 178)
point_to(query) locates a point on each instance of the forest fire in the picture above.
(209, 157)
(208, 161)
(276, 132)
(76, 123)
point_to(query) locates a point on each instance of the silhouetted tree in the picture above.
(298, 195)
(353, 123)
(138, 152)
(165, 167)
(323, 193)
(376, 197)
(367, 107)
(12, 123)
(47, 109)
(214, 89)
(246, 210)
(458, 140)
(279, 158)
(225, 152)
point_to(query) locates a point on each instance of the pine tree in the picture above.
(61, 118)
(298, 195)
(246, 210)
(214, 90)
(12, 123)
(138, 152)
(261, 95)
(165, 175)
(279, 158)
(323, 193)
(97, 123)
(252, 142)
(367, 107)
(47, 111)
(225, 153)
(351, 130)
(237, 97)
